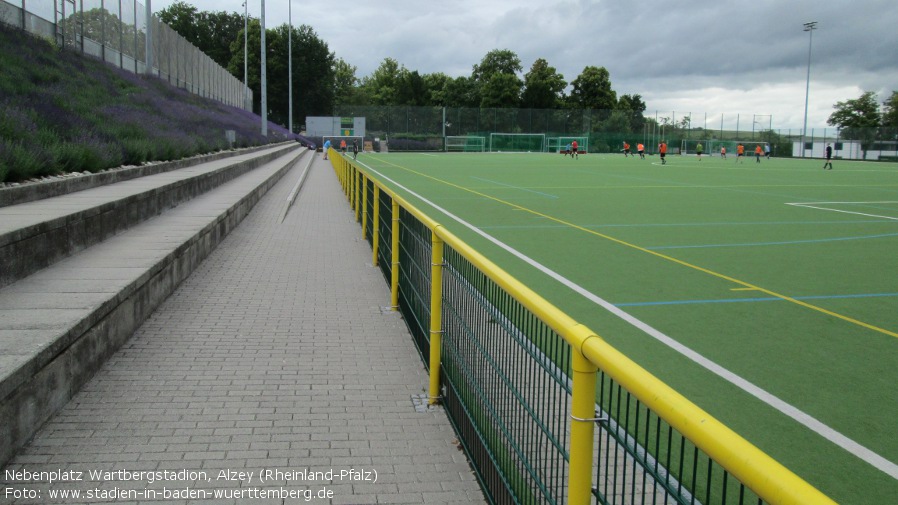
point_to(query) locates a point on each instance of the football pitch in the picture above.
(766, 293)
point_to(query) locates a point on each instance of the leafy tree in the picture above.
(890, 111)
(182, 18)
(220, 30)
(313, 71)
(543, 86)
(382, 85)
(497, 61)
(313, 74)
(501, 90)
(592, 90)
(211, 32)
(496, 78)
(633, 107)
(461, 92)
(346, 85)
(857, 119)
(437, 88)
(253, 60)
(411, 89)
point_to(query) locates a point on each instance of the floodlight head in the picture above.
(810, 26)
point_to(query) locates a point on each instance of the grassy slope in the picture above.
(64, 112)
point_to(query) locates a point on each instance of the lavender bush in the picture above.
(64, 112)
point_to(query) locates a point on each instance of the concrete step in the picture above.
(36, 234)
(58, 326)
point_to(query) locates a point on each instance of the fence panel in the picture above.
(115, 31)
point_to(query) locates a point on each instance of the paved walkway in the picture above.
(272, 375)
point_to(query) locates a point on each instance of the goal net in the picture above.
(465, 144)
(518, 142)
(349, 139)
(559, 144)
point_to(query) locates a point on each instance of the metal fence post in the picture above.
(583, 399)
(394, 271)
(436, 315)
(355, 191)
(364, 207)
(375, 225)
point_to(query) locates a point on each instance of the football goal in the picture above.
(465, 144)
(517, 142)
(559, 144)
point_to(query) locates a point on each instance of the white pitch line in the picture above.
(795, 413)
(815, 206)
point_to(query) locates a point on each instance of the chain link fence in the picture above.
(413, 128)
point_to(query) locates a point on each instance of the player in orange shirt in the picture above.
(626, 149)
(740, 152)
(723, 152)
(574, 153)
(343, 146)
(641, 150)
(662, 150)
(758, 153)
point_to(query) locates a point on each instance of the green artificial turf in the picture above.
(783, 274)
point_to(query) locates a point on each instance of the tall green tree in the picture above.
(592, 90)
(411, 89)
(496, 77)
(211, 32)
(858, 119)
(313, 71)
(633, 107)
(182, 18)
(347, 87)
(253, 60)
(543, 86)
(461, 92)
(890, 111)
(437, 88)
(383, 84)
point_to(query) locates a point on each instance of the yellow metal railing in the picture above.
(766, 477)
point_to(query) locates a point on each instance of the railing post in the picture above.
(355, 191)
(351, 186)
(436, 314)
(375, 225)
(583, 401)
(394, 280)
(364, 207)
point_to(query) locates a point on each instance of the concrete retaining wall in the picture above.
(40, 190)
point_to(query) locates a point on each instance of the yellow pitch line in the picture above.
(745, 285)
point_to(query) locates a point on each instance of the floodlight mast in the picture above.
(246, 104)
(264, 77)
(808, 27)
(290, 66)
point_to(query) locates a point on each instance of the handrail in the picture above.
(769, 479)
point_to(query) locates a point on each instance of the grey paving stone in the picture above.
(274, 353)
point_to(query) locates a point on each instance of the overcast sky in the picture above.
(709, 58)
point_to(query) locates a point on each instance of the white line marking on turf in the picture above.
(816, 205)
(547, 195)
(795, 413)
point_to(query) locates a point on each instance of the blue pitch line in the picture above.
(749, 300)
(756, 244)
(547, 195)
